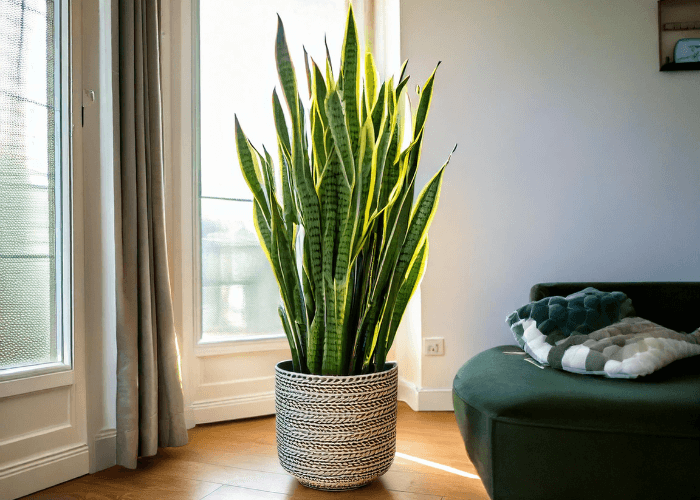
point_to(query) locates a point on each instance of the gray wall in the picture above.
(577, 161)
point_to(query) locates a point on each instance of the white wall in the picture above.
(577, 161)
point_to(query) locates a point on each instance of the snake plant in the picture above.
(338, 222)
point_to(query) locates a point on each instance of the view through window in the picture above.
(237, 74)
(31, 240)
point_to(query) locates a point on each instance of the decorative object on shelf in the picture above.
(336, 433)
(687, 51)
(679, 29)
(348, 248)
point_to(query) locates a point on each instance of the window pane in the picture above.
(237, 74)
(239, 291)
(28, 152)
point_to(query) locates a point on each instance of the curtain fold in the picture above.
(150, 407)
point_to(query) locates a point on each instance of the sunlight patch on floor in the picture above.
(437, 466)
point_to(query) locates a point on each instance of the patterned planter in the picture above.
(336, 433)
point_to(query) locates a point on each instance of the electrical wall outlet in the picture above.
(434, 346)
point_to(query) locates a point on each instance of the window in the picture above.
(237, 72)
(34, 216)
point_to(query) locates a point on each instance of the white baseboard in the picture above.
(105, 450)
(189, 417)
(263, 403)
(250, 405)
(42, 471)
(425, 399)
(408, 393)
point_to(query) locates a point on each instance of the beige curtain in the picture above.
(150, 409)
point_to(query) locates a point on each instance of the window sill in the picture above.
(47, 376)
(243, 344)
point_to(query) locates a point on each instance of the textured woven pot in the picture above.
(336, 433)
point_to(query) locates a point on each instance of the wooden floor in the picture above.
(238, 460)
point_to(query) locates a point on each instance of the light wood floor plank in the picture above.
(238, 460)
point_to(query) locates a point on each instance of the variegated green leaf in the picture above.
(378, 111)
(424, 103)
(281, 123)
(336, 119)
(350, 67)
(251, 171)
(293, 344)
(319, 95)
(371, 78)
(308, 71)
(285, 70)
(407, 289)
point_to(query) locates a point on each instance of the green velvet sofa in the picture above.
(540, 434)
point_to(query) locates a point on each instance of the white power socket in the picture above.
(434, 346)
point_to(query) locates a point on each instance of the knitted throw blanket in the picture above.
(597, 333)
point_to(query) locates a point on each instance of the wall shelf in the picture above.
(678, 19)
(680, 66)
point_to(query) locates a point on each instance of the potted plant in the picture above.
(348, 248)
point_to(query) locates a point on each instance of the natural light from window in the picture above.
(237, 75)
(31, 270)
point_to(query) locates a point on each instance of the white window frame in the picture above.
(38, 377)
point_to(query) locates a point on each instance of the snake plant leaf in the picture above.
(301, 288)
(308, 71)
(421, 217)
(396, 229)
(290, 285)
(363, 108)
(286, 181)
(317, 142)
(249, 168)
(328, 194)
(403, 69)
(314, 358)
(320, 91)
(293, 344)
(391, 168)
(285, 70)
(371, 335)
(280, 123)
(328, 56)
(378, 110)
(345, 259)
(379, 156)
(262, 228)
(350, 67)
(424, 104)
(269, 171)
(365, 180)
(336, 119)
(400, 87)
(408, 287)
(309, 300)
(371, 78)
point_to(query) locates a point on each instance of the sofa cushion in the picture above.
(504, 385)
(538, 433)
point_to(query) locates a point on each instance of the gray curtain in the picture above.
(150, 409)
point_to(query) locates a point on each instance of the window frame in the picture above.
(38, 377)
